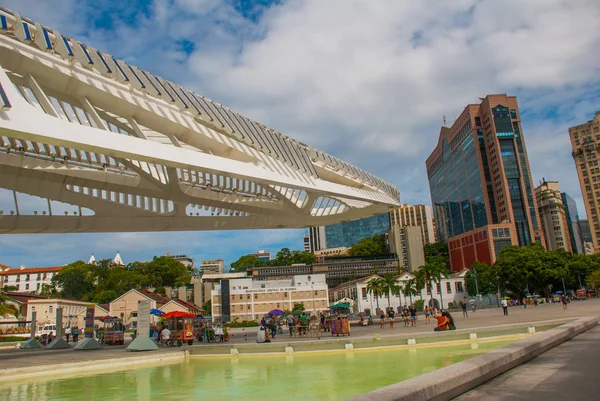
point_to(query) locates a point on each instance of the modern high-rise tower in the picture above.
(553, 216)
(480, 183)
(418, 216)
(585, 141)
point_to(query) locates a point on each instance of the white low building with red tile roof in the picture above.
(27, 279)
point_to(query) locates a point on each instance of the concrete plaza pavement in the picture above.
(12, 358)
(568, 371)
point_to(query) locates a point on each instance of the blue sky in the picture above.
(366, 81)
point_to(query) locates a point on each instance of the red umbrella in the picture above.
(178, 314)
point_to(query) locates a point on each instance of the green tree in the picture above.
(374, 245)
(525, 269)
(163, 271)
(410, 289)
(245, 262)
(10, 288)
(437, 251)
(207, 308)
(285, 257)
(74, 280)
(6, 309)
(431, 273)
(390, 286)
(48, 290)
(594, 279)
(483, 278)
(375, 287)
(298, 308)
(105, 297)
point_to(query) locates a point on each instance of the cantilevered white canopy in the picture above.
(130, 151)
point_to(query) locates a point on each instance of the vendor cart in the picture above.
(340, 325)
(112, 332)
(181, 326)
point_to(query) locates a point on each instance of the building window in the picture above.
(459, 286)
(27, 286)
(448, 288)
(50, 309)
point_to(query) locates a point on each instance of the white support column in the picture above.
(137, 130)
(41, 96)
(92, 111)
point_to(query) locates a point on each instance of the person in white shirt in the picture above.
(165, 336)
(262, 336)
(505, 307)
(68, 333)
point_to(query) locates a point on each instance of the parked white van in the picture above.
(47, 329)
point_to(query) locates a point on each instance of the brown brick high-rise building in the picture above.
(585, 141)
(480, 183)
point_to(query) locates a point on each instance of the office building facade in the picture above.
(316, 239)
(417, 216)
(245, 299)
(407, 243)
(585, 142)
(480, 183)
(337, 270)
(216, 266)
(574, 223)
(553, 216)
(349, 233)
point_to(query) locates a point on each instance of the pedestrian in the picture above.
(392, 316)
(75, 333)
(505, 307)
(263, 322)
(463, 305)
(290, 323)
(406, 316)
(273, 326)
(413, 315)
(382, 320)
(68, 333)
(427, 314)
(564, 301)
(524, 303)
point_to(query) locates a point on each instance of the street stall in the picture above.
(112, 331)
(181, 326)
(339, 322)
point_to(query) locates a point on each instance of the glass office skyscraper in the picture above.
(349, 233)
(480, 183)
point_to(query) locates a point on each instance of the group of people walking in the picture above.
(72, 332)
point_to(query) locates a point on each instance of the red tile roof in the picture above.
(157, 297)
(23, 297)
(29, 270)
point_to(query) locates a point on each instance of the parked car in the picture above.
(47, 329)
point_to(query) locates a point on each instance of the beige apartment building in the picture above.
(415, 216)
(553, 216)
(246, 299)
(585, 142)
(73, 312)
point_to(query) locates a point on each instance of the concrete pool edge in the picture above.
(78, 368)
(451, 381)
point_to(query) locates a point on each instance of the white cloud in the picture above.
(366, 81)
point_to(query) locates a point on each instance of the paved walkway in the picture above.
(15, 358)
(568, 371)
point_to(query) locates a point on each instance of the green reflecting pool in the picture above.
(298, 377)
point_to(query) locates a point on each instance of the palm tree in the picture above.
(375, 287)
(389, 285)
(6, 309)
(431, 273)
(410, 288)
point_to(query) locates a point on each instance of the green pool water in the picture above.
(298, 377)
